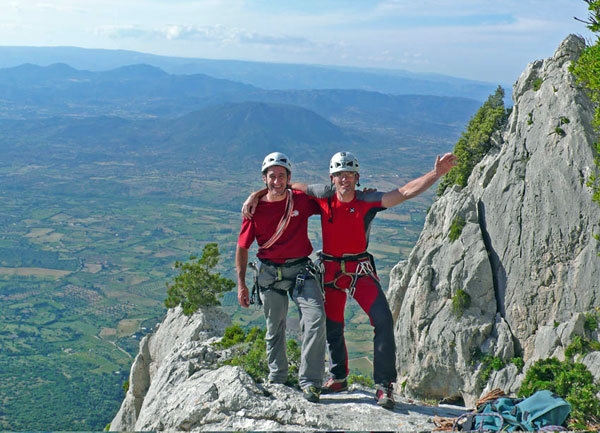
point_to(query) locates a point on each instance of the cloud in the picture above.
(215, 34)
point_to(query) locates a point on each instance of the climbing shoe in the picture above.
(311, 393)
(385, 395)
(335, 385)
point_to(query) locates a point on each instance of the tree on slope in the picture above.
(587, 71)
(196, 285)
(476, 141)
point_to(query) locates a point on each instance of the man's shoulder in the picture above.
(298, 194)
(370, 196)
(301, 196)
(320, 190)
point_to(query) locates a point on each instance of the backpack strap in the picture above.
(469, 422)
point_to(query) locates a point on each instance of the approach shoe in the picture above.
(385, 396)
(311, 393)
(335, 385)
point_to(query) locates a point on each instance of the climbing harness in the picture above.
(365, 266)
(296, 283)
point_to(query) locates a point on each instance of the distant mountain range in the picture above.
(272, 76)
(142, 107)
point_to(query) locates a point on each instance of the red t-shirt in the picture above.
(293, 242)
(346, 226)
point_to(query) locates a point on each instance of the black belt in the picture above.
(346, 257)
(287, 264)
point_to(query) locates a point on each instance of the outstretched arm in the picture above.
(420, 184)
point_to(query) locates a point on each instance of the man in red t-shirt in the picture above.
(280, 228)
(346, 216)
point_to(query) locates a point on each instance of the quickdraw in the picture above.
(255, 294)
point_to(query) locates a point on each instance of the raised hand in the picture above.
(444, 164)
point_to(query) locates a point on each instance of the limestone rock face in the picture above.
(151, 369)
(178, 384)
(526, 256)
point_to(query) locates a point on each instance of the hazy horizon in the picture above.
(473, 39)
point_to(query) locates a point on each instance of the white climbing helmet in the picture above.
(276, 158)
(343, 161)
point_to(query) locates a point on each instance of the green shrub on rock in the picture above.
(571, 381)
(196, 285)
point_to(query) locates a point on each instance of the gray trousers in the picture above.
(274, 283)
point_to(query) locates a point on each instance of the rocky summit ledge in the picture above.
(178, 384)
(356, 410)
(227, 401)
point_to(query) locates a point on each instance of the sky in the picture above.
(484, 40)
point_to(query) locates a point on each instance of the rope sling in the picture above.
(283, 222)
